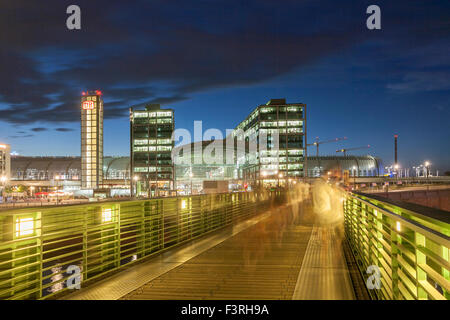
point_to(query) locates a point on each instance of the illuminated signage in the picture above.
(88, 105)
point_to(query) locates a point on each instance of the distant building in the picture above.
(358, 166)
(5, 163)
(91, 140)
(24, 168)
(151, 146)
(190, 174)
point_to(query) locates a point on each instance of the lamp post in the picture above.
(135, 179)
(57, 180)
(190, 178)
(427, 166)
(3, 180)
(354, 177)
(280, 176)
(396, 171)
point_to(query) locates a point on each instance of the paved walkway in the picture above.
(278, 255)
(324, 274)
(114, 287)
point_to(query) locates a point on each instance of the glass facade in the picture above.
(190, 174)
(151, 148)
(91, 140)
(268, 164)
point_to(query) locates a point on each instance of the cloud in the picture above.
(165, 51)
(422, 81)
(39, 129)
(24, 136)
(64, 129)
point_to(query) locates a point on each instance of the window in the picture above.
(141, 114)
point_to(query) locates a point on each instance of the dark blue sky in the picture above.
(217, 60)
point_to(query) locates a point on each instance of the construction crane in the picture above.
(317, 143)
(352, 149)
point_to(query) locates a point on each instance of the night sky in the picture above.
(217, 60)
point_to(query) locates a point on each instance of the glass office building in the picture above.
(272, 165)
(91, 140)
(151, 146)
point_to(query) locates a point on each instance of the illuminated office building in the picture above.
(91, 140)
(151, 148)
(5, 163)
(289, 161)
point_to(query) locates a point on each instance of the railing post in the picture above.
(420, 258)
(395, 239)
(85, 244)
(41, 251)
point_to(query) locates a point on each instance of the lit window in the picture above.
(183, 204)
(24, 226)
(107, 215)
(398, 226)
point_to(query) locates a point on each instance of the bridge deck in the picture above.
(261, 259)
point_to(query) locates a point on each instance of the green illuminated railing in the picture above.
(37, 245)
(410, 249)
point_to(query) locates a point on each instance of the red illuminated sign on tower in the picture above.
(88, 105)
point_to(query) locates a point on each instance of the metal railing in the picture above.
(39, 245)
(410, 249)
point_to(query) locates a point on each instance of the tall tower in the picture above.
(91, 139)
(395, 148)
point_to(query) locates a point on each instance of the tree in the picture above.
(447, 173)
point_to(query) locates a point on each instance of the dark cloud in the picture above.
(39, 129)
(64, 129)
(163, 51)
(24, 136)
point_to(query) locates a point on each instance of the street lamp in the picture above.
(280, 176)
(135, 178)
(427, 166)
(3, 180)
(354, 177)
(190, 176)
(57, 191)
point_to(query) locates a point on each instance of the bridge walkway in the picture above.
(278, 255)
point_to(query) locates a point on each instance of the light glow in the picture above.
(24, 226)
(88, 105)
(107, 215)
